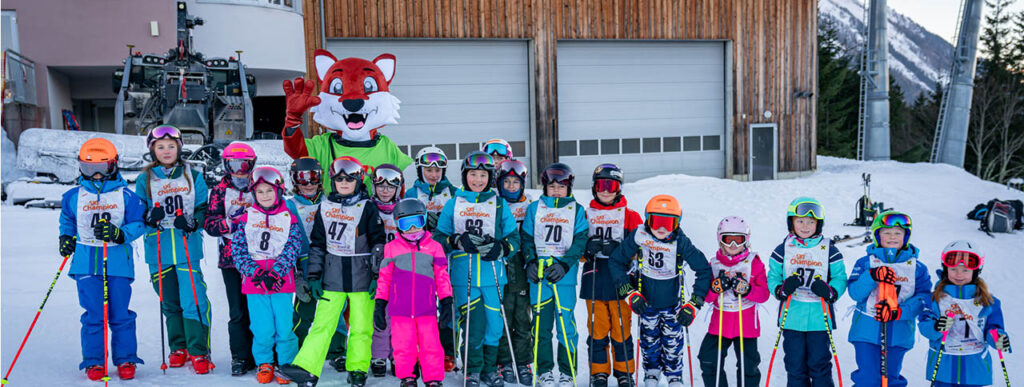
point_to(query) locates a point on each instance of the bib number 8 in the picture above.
(265, 241)
(475, 226)
(100, 215)
(554, 233)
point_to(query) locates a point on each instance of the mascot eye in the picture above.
(335, 87)
(369, 85)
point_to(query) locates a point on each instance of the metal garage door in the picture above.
(456, 94)
(651, 107)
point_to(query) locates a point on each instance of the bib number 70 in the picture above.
(553, 233)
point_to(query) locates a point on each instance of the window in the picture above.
(518, 148)
(652, 144)
(449, 149)
(288, 5)
(466, 147)
(712, 143)
(567, 148)
(610, 146)
(691, 143)
(631, 145)
(588, 147)
(671, 144)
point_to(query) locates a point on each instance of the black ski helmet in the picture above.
(408, 207)
(477, 160)
(557, 172)
(306, 164)
(607, 171)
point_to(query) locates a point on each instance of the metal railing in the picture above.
(19, 78)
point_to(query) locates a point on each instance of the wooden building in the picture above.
(657, 86)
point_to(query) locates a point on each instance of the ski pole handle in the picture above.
(995, 338)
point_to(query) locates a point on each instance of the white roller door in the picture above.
(653, 108)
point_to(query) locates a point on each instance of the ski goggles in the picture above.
(895, 219)
(809, 209)
(307, 177)
(234, 166)
(387, 176)
(91, 168)
(607, 185)
(479, 161)
(433, 160)
(497, 147)
(970, 260)
(515, 167)
(555, 175)
(165, 131)
(733, 240)
(407, 222)
(266, 174)
(341, 168)
(668, 222)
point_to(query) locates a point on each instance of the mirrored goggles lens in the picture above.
(104, 168)
(238, 165)
(668, 222)
(557, 176)
(810, 209)
(165, 131)
(970, 260)
(498, 148)
(267, 175)
(433, 160)
(387, 176)
(306, 177)
(514, 166)
(606, 185)
(733, 240)
(479, 160)
(896, 220)
(346, 167)
(408, 222)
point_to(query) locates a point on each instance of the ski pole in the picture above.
(721, 313)
(942, 347)
(887, 295)
(160, 286)
(38, 312)
(508, 333)
(106, 314)
(828, 328)
(191, 278)
(536, 316)
(686, 329)
(591, 316)
(639, 320)
(743, 371)
(782, 325)
(995, 337)
(565, 333)
(469, 313)
(625, 340)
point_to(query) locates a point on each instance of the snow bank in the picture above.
(9, 155)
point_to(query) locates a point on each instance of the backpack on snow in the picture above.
(1002, 216)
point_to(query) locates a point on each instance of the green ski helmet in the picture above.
(805, 206)
(891, 219)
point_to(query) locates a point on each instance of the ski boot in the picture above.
(415, 370)
(280, 377)
(546, 379)
(473, 380)
(265, 373)
(177, 358)
(338, 363)
(433, 383)
(525, 375)
(126, 371)
(297, 375)
(357, 379)
(95, 372)
(492, 379)
(625, 380)
(202, 365)
(565, 381)
(378, 367)
(651, 379)
(675, 382)
(449, 363)
(408, 382)
(507, 373)
(599, 380)
(240, 367)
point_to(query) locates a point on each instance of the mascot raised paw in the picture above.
(353, 102)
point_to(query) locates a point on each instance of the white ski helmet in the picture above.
(431, 156)
(967, 247)
(499, 146)
(734, 225)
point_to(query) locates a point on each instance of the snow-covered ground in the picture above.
(936, 196)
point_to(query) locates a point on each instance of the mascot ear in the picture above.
(386, 63)
(324, 60)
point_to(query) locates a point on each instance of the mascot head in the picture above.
(354, 97)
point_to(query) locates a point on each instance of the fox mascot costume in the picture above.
(353, 102)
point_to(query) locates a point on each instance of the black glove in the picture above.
(532, 272)
(263, 278)
(465, 243)
(820, 288)
(1003, 343)
(380, 318)
(445, 311)
(376, 258)
(721, 283)
(556, 271)
(687, 312)
(883, 274)
(431, 221)
(302, 288)
(609, 247)
(788, 286)
(107, 232)
(740, 286)
(155, 215)
(594, 245)
(942, 324)
(186, 224)
(637, 302)
(67, 245)
(500, 249)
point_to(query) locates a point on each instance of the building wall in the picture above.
(774, 49)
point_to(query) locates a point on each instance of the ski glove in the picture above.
(265, 279)
(609, 247)
(302, 288)
(556, 271)
(740, 286)
(107, 232)
(788, 286)
(942, 324)
(721, 283)
(821, 289)
(298, 97)
(446, 305)
(594, 245)
(67, 245)
(883, 274)
(498, 250)
(155, 215)
(380, 318)
(884, 313)
(687, 313)
(431, 221)
(186, 224)
(637, 302)
(316, 289)
(532, 271)
(1003, 344)
(376, 258)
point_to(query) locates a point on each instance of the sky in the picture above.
(938, 16)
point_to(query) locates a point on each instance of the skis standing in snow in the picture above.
(808, 267)
(891, 260)
(166, 186)
(98, 221)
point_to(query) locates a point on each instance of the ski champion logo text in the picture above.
(955, 309)
(655, 246)
(335, 213)
(94, 205)
(603, 219)
(552, 217)
(262, 224)
(472, 212)
(170, 189)
(799, 259)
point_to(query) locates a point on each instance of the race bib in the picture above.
(307, 214)
(731, 302)
(436, 204)
(552, 229)
(266, 235)
(390, 227)
(807, 263)
(340, 223)
(173, 194)
(658, 259)
(965, 336)
(905, 280)
(518, 210)
(609, 225)
(109, 206)
(235, 204)
(475, 218)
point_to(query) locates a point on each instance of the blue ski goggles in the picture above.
(408, 222)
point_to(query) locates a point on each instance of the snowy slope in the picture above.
(917, 57)
(936, 196)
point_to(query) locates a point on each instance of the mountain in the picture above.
(917, 58)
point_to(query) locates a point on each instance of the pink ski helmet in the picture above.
(238, 157)
(734, 225)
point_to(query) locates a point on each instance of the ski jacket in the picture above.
(274, 220)
(515, 268)
(219, 223)
(340, 246)
(413, 277)
(434, 197)
(328, 146)
(88, 259)
(966, 358)
(659, 281)
(486, 209)
(755, 275)
(811, 257)
(914, 284)
(533, 230)
(615, 219)
(174, 186)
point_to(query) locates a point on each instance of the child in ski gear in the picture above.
(554, 235)
(499, 149)
(412, 278)
(388, 185)
(431, 186)
(98, 221)
(165, 186)
(804, 271)
(229, 200)
(740, 284)
(511, 183)
(608, 314)
(663, 251)
(477, 230)
(264, 249)
(892, 261)
(347, 231)
(959, 318)
(307, 175)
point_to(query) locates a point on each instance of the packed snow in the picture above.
(936, 196)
